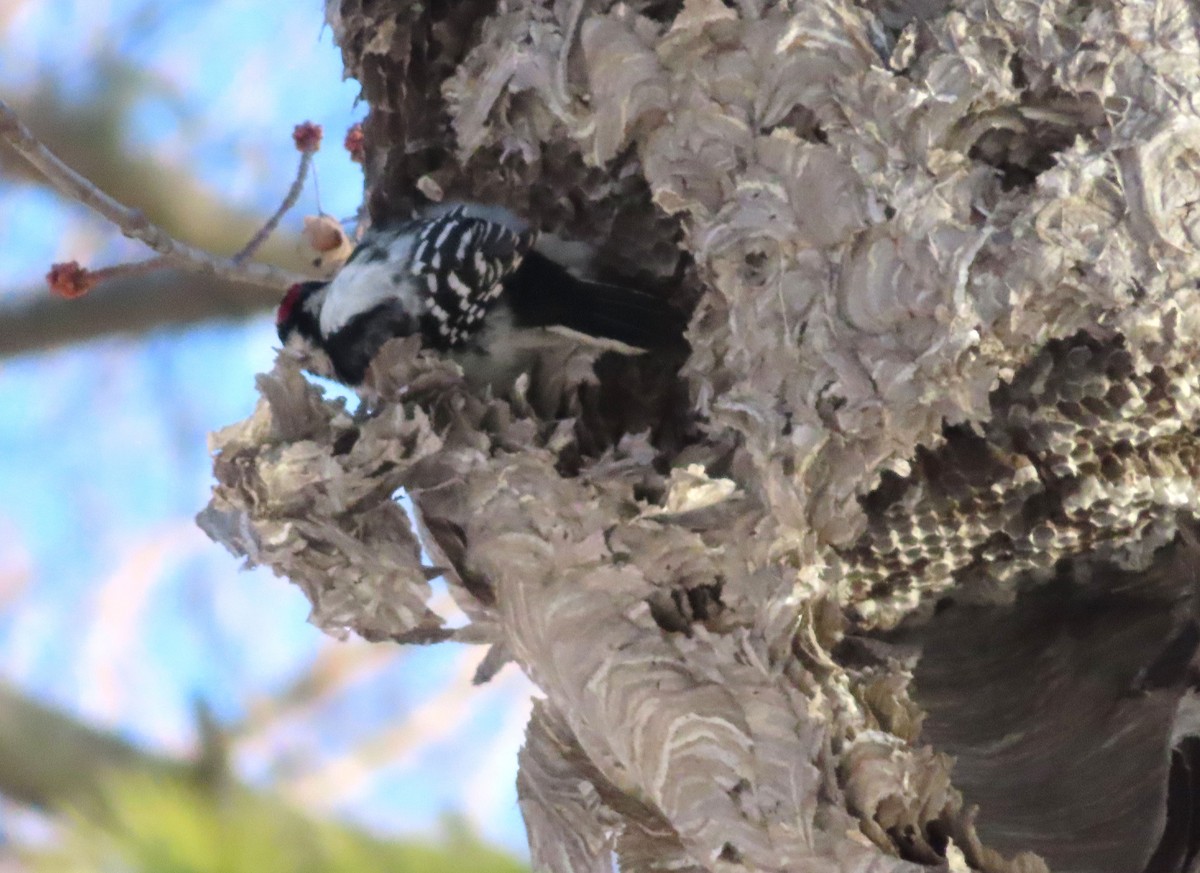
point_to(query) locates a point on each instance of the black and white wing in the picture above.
(461, 261)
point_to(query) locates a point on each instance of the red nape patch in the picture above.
(287, 305)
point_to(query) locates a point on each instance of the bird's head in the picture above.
(299, 311)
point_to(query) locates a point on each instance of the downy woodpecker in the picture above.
(469, 281)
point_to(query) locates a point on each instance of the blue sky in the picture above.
(111, 602)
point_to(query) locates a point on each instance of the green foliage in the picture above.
(175, 826)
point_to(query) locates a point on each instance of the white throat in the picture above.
(362, 285)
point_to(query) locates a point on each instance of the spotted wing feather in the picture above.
(463, 262)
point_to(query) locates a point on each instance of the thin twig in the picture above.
(289, 201)
(317, 190)
(126, 306)
(132, 222)
(71, 281)
(138, 268)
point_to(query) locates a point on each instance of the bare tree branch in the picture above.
(130, 305)
(308, 139)
(83, 137)
(271, 223)
(132, 222)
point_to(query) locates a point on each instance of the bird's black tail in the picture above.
(544, 294)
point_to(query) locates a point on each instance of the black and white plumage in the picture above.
(468, 280)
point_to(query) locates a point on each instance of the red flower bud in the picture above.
(355, 142)
(307, 137)
(70, 280)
